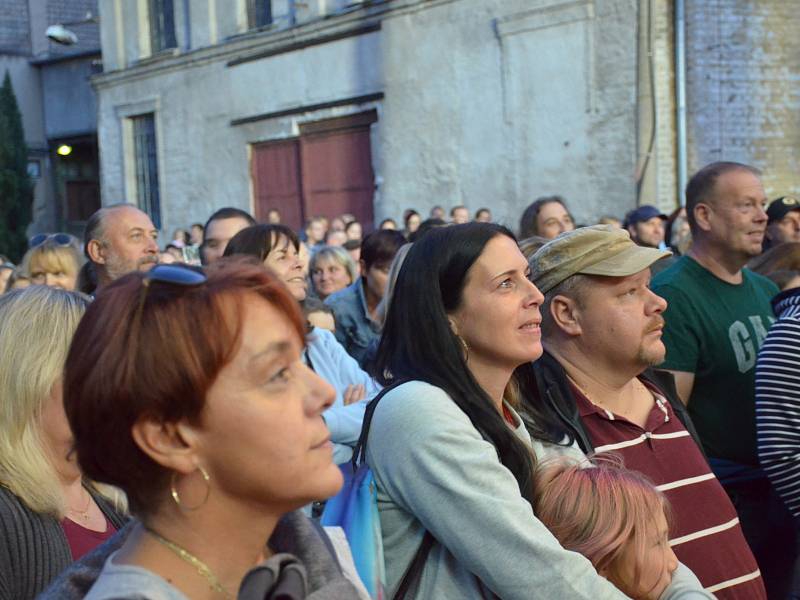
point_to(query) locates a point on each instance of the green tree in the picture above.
(16, 188)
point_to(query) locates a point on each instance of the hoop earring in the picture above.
(174, 491)
(464, 347)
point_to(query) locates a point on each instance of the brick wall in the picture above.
(14, 31)
(743, 78)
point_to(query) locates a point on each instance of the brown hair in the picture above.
(783, 257)
(155, 360)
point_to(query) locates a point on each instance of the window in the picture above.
(146, 166)
(259, 13)
(162, 25)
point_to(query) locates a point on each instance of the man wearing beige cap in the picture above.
(601, 330)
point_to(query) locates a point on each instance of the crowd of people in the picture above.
(577, 411)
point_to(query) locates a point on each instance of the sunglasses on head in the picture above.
(182, 276)
(61, 239)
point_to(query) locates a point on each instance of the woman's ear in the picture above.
(171, 445)
(566, 315)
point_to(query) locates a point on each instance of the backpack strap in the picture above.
(360, 450)
(413, 572)
(411, 577)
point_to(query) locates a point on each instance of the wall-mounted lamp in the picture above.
(61, 35)
(64, 150)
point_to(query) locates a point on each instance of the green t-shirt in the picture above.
(714, 330)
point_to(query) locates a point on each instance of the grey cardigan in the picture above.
(295, 534)
(33, 547)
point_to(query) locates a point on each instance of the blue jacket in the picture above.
(354, 329)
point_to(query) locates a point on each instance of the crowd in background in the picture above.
(568, 411)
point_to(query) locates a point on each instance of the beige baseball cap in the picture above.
(596, 250)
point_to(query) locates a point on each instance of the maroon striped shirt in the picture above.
(705, 535)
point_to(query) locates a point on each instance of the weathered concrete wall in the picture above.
(69, 101)
(743, 93)
(486, 103)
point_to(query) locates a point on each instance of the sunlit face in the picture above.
(285, 262)
(52, 275)
(785, 230)
(483, 216)
(131, 242)
(621, 321)
(648, 233)
(262, 436)
(552, 220)
(655, 566)
(57, 435)
(328, 277)
(460, 216)
(737, 218)
(218, 233)
(316, 232)
(354, 231)
(323, 320)
(499, 315)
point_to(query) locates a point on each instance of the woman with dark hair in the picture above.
(449, 453)
(216, 447)
(276, 246)
(547, 217)
(411, 221)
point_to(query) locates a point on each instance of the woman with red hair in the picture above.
(188, 391)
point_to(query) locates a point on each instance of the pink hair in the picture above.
(600, 510)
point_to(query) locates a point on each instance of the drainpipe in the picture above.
(187, 26)
(292, 13)
(680, 94)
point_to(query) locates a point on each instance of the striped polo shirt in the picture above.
(705, 534)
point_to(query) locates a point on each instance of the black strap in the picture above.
(413, 572)
(411, 577)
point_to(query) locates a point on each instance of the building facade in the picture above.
(57, 102)
(372, 107)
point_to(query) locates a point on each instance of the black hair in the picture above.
(379, 247)
(482, 210)
(418, 343)
(258, 240)
(455, 208)
(230, 212)
(702, 184)
(527, 223)
(407, 214)
(425, 227)
(351, 244)
(350, 224)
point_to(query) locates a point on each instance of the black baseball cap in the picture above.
(779, 208)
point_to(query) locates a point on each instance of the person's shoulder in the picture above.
(322, 337)
(415, 404)
(126, 582)
(679, 270)
(342, 297)
(761, 281)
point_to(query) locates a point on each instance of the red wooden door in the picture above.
(275, 169)
(337, 174)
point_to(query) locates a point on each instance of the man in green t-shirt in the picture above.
(716, 320)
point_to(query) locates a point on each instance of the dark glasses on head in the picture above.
(61, 239)
(182, 276)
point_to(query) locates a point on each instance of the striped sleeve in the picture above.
(778, 410)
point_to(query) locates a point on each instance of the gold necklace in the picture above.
(84, 514)
(202, 568)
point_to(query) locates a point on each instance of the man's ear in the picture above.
(171, 445)
(566, 314)
(96, 252)
(702, 213)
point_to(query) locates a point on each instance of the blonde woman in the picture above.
(49, 516)
(332, 269)
(53, 260)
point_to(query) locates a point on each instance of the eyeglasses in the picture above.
(61, 239)
(182, 276)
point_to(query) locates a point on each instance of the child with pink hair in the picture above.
(619, 521)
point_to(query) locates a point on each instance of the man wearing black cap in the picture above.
(646, 226)
(783, 222)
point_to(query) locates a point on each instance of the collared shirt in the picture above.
(354, 327)
(705, 532)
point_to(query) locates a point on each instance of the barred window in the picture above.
(162, 25)
(259, 13)
(146, 164)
